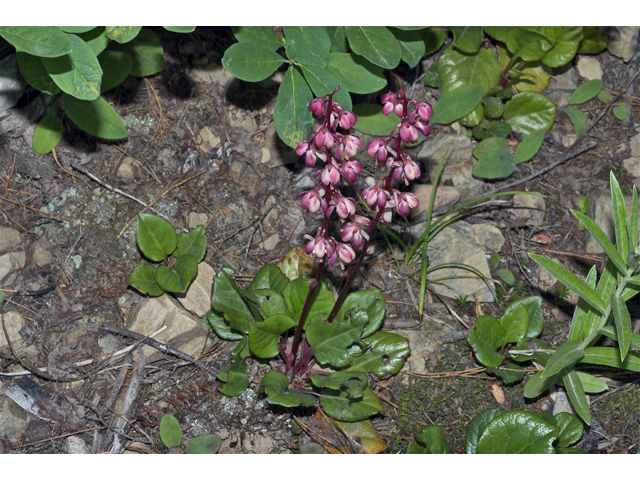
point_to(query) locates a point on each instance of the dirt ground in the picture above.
(246, 185)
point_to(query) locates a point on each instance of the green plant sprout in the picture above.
(171, 437)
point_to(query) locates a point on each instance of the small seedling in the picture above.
(171, 437)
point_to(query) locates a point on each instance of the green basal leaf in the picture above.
(323, 82)
(567, 40)
(620, 112)
(116, 66)
(527, 44)
(537, 385)
(506, 276)
(291, 115)
(308, 45)
(604, 96)
(177, 278)
(494, 159)
(571, 281)
(356, 74)
(372, 301)
(33, 71)
(493, 108)
(170, 432)
(385, 353)
(517, 432)
(571, 429)
(221, 327)
(76, 29)
(610, 357)
(192, 243)
(269, 302)
(372, 121)
(146, 53)
(592, 41)
(38, 41)
(586, 92)
(347, 409)
(350, 383)
(533, 305)
(515, 324)
(576, 394)
(262, 35)
(332, 340)
(276, 386)
(499, 129)
(623, 324)
(619, 217)
(48, 132)
(455, 104)
(411, 44)
(566, 355)
(77, 73)
(97, 40)
(499, 33)
(96, 117)
(338, 39)
(432, 437)
(591, 384)
(528, 112)
(456, 70)
(509, 372)
(226, 298)
(156, 237)
(122, 34)
(252, 62)
(235, 374)
(434, 38)
(295, 294)
(143, 278)
(602, 239)
(265, 336)
(376, 44)
(531, 344)
(467, 39)
(486, 339)
(605, 288)
(494, 259)
(181, 30)
(578, 119)
(269, 277)
(476, 427)
(208, 444)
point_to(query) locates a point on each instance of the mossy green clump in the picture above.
(619, 412)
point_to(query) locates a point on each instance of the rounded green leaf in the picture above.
(122, 34)
(235, 374)
(180, 29)
(177, 278)
(372, 301)
(262, 35)
(493, 107)
(220, 326)
(77, 73)
(38, 41)
(48, 132)
(494, 159)
(517, 432)
(205, 443)
(352, 410)
(252, 62)
(578, 119)
(291, 115)
(385, 353)
(528, 112)
(311, 448)
(591, 384)
(528, 44)
(376, 44)
(372, 121)
(226, 298)
(567, 40)
(499, 33)
(95, 39)
(456, 104)
(506, 276)
(571, 429)
(146, 53)
(620, 111)
(323, 82)
(170, 432)
(33, 71)
(276, 386)
(295, 295)
(433, 438)
(269, 277)
(456, 70)
(533, 305)
(96, 117)
(528, 147)
(411, 44)
(116, 66)
(515, 324)
(586, 92)
(331, 341)
(155, 236)
(604, 96)
(265, 336)
(193, 243)
(309, 46)
(143, 278)
(476, 427)
(592, 41)
(485, 341)
(467, 39)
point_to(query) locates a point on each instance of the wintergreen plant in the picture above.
(77, 65)
(513, 431)
(171, 437)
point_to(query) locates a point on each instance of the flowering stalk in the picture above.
(338, 152)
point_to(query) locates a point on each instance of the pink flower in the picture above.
(350, 170)
(347, 119)
(408, 133)
(330, 175)
(423, 128)
(424, 111)
(409, 169)
(406, 201)
(349, 144)
(377, 147)
(344, 206)
(313, 200)
(352, 232)
(346, 253)
(324, 137)
(320, 245)
(375, 196)
(316, 107)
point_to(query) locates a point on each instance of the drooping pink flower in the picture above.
(313, 200)
(349, 144)
(408, 133)
(352, 232)
(344, 206)
(405, 202)
(330, 175)
(377, 147)
(350, 170)
(316, 107)
(374, 196)
(424, 111)
(346, 253)
(324, 137)
(347, 119)
(409, 169)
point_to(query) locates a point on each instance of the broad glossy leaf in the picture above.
(433, 438)
(351, 410)
(499, 33)
(269, 277)
(143, 278)
(208, 444)
(455, 104)
(571, 281)
(332, 340)
(576, 394)
(177, 278)
(372, 122)
(372, 301)
(323, 82)
(291, 115)
(77, 73)
(276, 386)
(456, 70)
(338, 39)
(411, 44)
(494, 159)
(33, 71)
(263, 35)
(265, 336)
(623, 324)
(116, 66)
(515, 324)
(592, 41)
(571, 429)
(252, 62)
(350, 383)
(235, 374)
(376, 44)
(226, 298)
(486, 339)
(96, 117)
(602, 239)
(146, 53)
(192, 243)
(386, 353)
(269, 302)
(308, 45)
(566, 355)
(578, 119)
(221, 326)
(529, 112)
(356, 74)
(170, 432)
(567, 40)
(533, 305)
(517, 432)
(295, 294)
(493, 107)
(155, 236)
(38, 41)
(586, 92)
(122, 34)
(76, 29)
(610, 357)
(48, 132)
(467, 39)
(534, 77)
(434, 38)
(476, 427)
(537, 385)
(528, 147)
(620, 219)
(528, 44)
(96, 39)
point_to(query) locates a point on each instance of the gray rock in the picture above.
(76, 445)
(208, 141)
(488, 236)
(531, 208)
(196, 219)
(184, 331)
(12, 85)
(197, 299)
(41, 254)
(10, 263)
(589, 68)
(109, 343)
(602, 214)
(457, 244)
(561, 87)
(446, 198)
(13, 420)
(421, 343)
(623, 41)
(9, 238)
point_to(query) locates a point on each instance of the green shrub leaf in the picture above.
(515, 324)
(571, 429)
(116, 66)
(204, 443)
(155, 236)
(322, 82)
(291, 115)
(371, 120)
(177, 278)
(494, 159)
(192, 242)
(456, 70)
(486, 339)
(338, 39)
(146, 53)
(221, 327)
(122, 34)
(235, 374)
(332, 340)
(528, 147)
(308, 45)
(48, 132)
(529, 45)
(578, 119)
(586, 92)
(467, 39)
(372, 301)
(356, 74)
(170, 432)
(529, 112)
(180, 30)
(592, 41)
(533, 305)
(295, 294)
(455, 104)
(376, 44)
(269, 277)
(33, 71)
(620, 112)
(432, 437)
(517, 432)
(567, 40)
(262, 35)
(352, 384)
(411, 44)
(39, 41)
(96, 117)
(265, 336)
